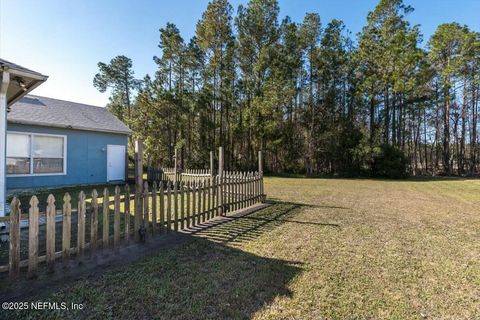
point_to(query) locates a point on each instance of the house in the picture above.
(48, 143)
(53, 143)
(15, 82)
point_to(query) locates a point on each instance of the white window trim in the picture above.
(32, 134)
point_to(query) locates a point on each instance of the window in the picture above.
(35, 154)
(18, 153)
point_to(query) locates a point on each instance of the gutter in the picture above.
(70, 127)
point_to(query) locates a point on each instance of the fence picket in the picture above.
(81, 224)
(94, 223)
(116, 218)
(137, 211)
(232, 190)
(154, 208)
(194, 202)
(214, 184)
(255, 192)
(235, 190)
(162, 209)
(127, 214)
(182, 205)
(50, 232)
(249, 188)
(217, 196)
(188, 204)
(199, 204)
(175, 205)
(106, 226)
(204, 200)
(169, 208)
(14, 254)
(33, 237)
(261, 187)
(146, 211)
(66, 227)
(226, 199)
(254, 179)
(254, 195)
(209, 199)
(244, 190)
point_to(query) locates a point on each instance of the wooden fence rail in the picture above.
(159, 208)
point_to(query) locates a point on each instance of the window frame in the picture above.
(32, 174)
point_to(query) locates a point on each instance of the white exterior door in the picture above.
(115, 162)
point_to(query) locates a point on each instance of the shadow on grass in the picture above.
(300, 204)
(247, 228)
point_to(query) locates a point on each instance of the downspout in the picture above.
(3, 139)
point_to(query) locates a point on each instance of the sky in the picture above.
(66, 39)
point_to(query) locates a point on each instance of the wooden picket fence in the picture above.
(155, 208)
(186, 175)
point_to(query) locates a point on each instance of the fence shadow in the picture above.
(238, 229)
(207, 280)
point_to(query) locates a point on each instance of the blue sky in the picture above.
(66, 39)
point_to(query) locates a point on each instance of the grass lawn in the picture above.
(327, 248)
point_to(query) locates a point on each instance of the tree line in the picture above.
(316, 99)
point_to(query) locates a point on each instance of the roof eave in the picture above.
(20, 94)
(35, 78)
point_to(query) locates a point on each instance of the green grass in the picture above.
(58, 193)
(327, 249)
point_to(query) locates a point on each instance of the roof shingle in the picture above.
(48, 112)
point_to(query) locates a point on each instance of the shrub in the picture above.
(389, 162)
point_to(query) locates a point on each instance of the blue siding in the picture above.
(86, 161)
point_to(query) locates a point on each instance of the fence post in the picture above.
(14, 256)
(138, 187)
(220, 176)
